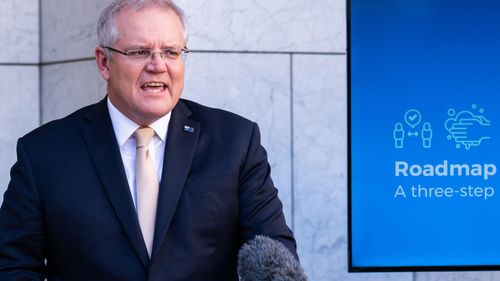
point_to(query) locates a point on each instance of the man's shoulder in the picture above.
(62, 127)
(211, 115)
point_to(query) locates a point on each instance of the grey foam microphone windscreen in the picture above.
(266, 259)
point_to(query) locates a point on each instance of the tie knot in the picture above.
(143, 136)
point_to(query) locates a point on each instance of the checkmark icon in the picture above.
(413, 118)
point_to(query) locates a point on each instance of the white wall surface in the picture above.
(19, 72)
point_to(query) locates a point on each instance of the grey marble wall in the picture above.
(281, 63)
(19, 72)
(67, 87)
(19, 31)
(69, 29)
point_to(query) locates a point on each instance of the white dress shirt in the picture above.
(124, 129)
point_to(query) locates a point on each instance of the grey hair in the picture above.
(107, 34)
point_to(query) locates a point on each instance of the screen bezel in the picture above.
(351, 267)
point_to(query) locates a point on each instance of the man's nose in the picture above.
(156, 63)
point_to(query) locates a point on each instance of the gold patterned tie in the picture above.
(147, 185)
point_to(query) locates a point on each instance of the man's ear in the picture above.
(102, 62)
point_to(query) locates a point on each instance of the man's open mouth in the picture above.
(155, 87)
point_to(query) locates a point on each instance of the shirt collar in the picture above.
(124, 127)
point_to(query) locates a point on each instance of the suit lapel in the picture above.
(104, 151)
(182, 139)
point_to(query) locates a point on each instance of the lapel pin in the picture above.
(188, 129)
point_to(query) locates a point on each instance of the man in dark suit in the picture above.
(82, 206)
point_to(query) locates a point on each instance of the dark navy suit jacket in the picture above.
(68, 213)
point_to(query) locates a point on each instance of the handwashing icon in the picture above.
(466, 128)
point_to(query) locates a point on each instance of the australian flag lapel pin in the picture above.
(188, 129)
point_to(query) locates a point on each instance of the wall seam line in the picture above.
(292, 160)
(40, 33)
(201, 52)
(19, 63)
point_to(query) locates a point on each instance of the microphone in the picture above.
(266, 259)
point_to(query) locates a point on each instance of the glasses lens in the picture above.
(139, 54)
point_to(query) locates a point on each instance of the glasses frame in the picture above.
(184, 51)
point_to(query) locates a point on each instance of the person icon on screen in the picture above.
(399, 135)
(426, 135)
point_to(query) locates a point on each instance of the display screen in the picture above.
(424, 134)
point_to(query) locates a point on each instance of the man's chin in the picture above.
(149, 117)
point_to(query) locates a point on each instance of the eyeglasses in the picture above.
(170, 54)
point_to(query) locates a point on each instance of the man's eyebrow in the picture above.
(135, 47)
(144, 47)
(172, 47)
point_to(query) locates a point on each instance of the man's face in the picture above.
(144, 90)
